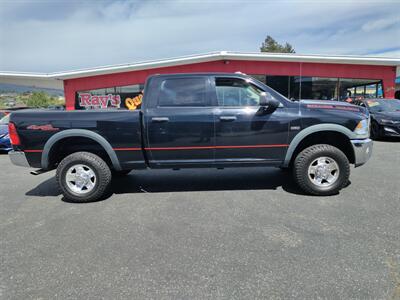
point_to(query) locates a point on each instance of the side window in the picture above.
(183, 92)
(237, 92)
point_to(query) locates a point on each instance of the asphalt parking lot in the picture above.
(203, 234)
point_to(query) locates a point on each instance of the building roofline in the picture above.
(206, 57)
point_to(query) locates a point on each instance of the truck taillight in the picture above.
(12, 131)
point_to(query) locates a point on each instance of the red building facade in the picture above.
(295, 76)
(307, 79)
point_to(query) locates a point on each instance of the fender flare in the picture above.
(78, 133)
(313, 129)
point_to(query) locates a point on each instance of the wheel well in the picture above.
(69, 145)
(333, 138)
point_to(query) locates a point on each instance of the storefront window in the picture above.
(359, 89)
(322, 88)
(289, 86)
(319, 88)
(371, 91)
(261, 78)
(379, 90)
(108, 98)
(279, 84)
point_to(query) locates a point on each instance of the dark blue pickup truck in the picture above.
(192, 121)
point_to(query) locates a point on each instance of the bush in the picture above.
(41, 99)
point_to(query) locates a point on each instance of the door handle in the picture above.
(159, 119)
(227, 118)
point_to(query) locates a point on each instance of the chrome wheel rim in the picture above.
(323, 171)
(80, 179)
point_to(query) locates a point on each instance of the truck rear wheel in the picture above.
(83, 177)
(321, 170)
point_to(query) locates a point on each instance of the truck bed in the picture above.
(121, 129)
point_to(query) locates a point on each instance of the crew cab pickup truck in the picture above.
(195, 121)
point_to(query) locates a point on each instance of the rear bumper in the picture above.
(362, 151)
(18, 158)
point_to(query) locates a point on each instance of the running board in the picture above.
(39, 171)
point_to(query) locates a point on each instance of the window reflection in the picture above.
(323, 88)
(237, 92)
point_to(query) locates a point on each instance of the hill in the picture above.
(19, 89)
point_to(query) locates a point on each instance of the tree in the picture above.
(270, 45)
(41, 99)
(38, 99)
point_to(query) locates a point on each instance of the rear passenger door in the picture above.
(180, 124)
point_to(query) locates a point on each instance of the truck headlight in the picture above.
(362, 127)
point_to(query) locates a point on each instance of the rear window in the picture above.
(183, 92)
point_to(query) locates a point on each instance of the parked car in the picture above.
(192, 121)
(5, 144)
(3, 112)
(56, 107)
(6, 111)
(385, 117)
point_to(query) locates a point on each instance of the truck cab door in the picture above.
(180, 123)
(246, 134)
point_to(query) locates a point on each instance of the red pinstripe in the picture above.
(127, 149)
(218, 147)
(190, 147)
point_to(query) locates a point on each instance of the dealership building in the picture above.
(293, 75)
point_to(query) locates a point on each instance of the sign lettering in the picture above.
(99, 101)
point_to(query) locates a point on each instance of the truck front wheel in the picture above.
(321, 170)
(83, 177)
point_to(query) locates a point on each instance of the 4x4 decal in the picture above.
(47, 127)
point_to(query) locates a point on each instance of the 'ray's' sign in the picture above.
(102, 101)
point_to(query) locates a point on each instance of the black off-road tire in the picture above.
(375, 130)
(307, 156)
(99, 167)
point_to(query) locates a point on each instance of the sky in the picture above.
(50, 36)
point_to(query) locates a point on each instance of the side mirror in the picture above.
(263, 100)
(267, 105)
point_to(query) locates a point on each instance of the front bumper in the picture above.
(362, 151)
(390, 130)
(18, 158)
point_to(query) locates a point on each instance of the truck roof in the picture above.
(236, 74)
